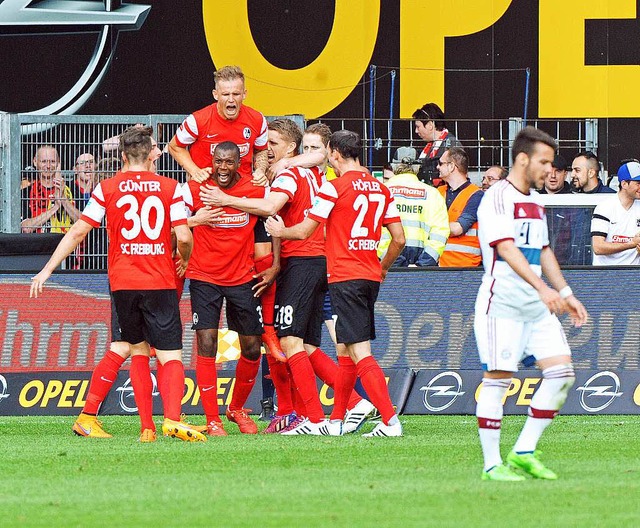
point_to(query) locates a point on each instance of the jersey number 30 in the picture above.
(140, 219)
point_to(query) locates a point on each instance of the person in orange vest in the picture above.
(462, 198)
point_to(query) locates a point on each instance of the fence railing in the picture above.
(487, 142)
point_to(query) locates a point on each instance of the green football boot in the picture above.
(502, 473)
(530, 463)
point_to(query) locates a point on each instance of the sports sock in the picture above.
(102, 379)
(246, 373)
(173, 377)
(305, 381)
(207, 380)
(489, 411)
(327, 370)
(268, 386)
(374, 383)
(282, 383)
(268, 297)
(143, 390)
(545, 404)
(345, 380)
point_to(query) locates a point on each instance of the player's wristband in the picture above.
(566, 292)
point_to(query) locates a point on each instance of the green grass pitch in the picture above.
(430, 477)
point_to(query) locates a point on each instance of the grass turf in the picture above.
(431, 477)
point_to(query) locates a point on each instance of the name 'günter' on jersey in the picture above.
(141, 208)
(354, 206)
(505, 213)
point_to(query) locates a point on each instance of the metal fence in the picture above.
(487, 142)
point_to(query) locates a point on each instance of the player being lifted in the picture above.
(515, 314)
(229, 119)
(141, 208)
(222, 267)
(354, 207)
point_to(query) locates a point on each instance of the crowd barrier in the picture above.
(425, 343)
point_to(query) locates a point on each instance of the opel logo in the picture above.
(599, 391)
(442, 391)
(127, 403)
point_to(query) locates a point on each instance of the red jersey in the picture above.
(141, 208)
(355, 206)
(203, 130)
(223, 254)
(301, 187)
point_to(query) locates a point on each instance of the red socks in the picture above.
(102, 379)
(246, 373)
(305, 380)
(345, 381)
(282, 384)
(143, 390)
(207, 380)
(374, 383)
(173, 386)
(326, 369)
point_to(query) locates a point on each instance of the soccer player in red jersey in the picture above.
(354, 208)
(301, 284)
(141, 208)
(228, 119)
(222, 267)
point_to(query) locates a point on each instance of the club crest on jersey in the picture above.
(246, 133)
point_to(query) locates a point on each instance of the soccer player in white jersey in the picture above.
(516, 311)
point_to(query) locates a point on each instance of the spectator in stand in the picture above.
(462, 198)
(431, 127)
(615, 227)
(555, 182)
(585, 175)
(492, 175)
(47, 204)
(585, 179)
(560, 218)
(106, 168)
(85, 255)
(423, 212)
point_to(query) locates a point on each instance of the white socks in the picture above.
(489, 413)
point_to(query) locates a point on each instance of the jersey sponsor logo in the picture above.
(599, 391)
(408, 192)
(230, 220)
(528, 210)
(620, 239)
(442, 391)
(142, 249)
(126, 395)
(246, 133)
(4, 387)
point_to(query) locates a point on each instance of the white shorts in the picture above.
(503, 343)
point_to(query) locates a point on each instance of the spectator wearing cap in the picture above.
(615, 225)
(462, 198)
(492, 175)
(585, 175)
(422, 210)
(555, 182)
(431, 127)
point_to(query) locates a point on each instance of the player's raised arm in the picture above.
(69, 242)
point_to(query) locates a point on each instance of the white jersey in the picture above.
(507, 214)
(617, 225)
